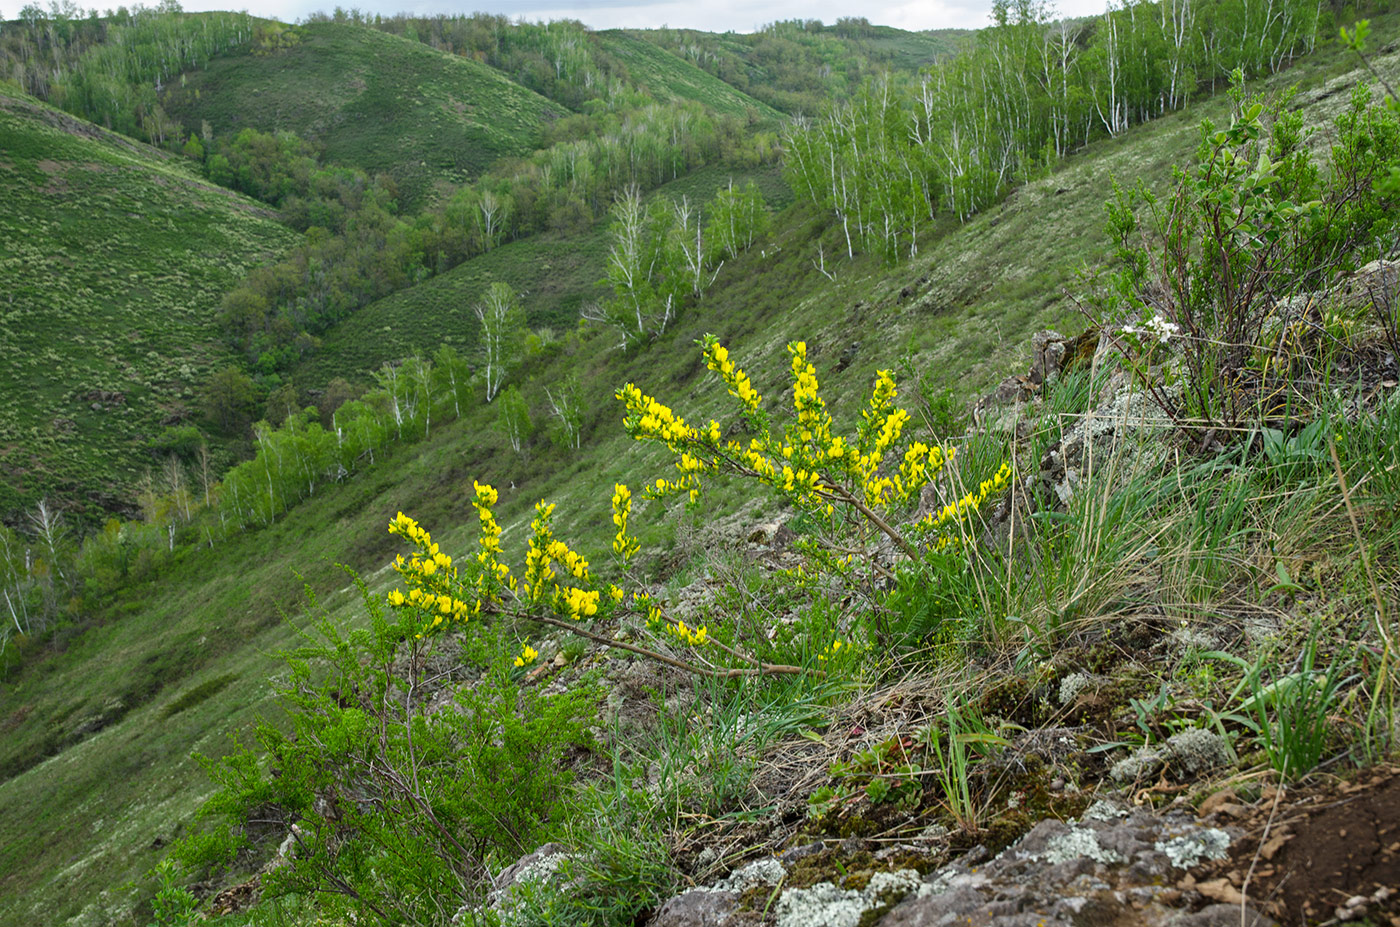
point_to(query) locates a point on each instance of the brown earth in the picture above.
(1319, 854)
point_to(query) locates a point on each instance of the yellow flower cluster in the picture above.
(571, 560)
(576, 603)
(807, 462)
(647, 418)
(623, 545)
(429, 574)
(812, 431)
(527, 656)
(537, 556)
(695, 637)
(882, 425)
(832, 650)
(493, 571)
(717, 359)
(971, 501)
(643, 602)
(544, 552)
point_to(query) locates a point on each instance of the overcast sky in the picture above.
(711, 15)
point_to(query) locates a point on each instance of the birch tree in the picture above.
(502, 325)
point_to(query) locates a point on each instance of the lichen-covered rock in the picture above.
(537, 868)
(1195, 847)
(758, 872)
(1107, 867)
(1191, 752)
(826, 905)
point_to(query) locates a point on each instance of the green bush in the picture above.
(405, 786)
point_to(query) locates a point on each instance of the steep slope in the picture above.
(376, 101)
(553, 274)
(108, 803)
(796, 65)
(113, 259)
(668, 77)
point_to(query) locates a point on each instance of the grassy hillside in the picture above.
(796, 65)
(113, 259)
(193, 648)
(910, 51)
(554, 274)
(380, 102)
(667, 77)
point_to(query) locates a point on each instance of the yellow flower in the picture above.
(527, 656)
(396, 598)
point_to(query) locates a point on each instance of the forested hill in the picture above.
(428, 120)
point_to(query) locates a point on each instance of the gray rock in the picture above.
(1222, 915)
(696, 908)
(1107, 868)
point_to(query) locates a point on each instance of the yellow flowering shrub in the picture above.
(859, 481)
(557, 586)
(874, 473)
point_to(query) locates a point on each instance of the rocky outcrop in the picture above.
(1114, 864)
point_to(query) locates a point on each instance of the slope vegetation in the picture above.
(113, 259)
(668, 77)
(554, 274)
(380, 102)
(200, 635)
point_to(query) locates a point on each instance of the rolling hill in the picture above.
(380, 102)
(113, 259)
(668, 77)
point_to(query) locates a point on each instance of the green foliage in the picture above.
(205, 690)
(953, 745)
(502, 334)
(1253, 226)
(375, 102)
(284, 170)
(566, 406)
(1022, 94)
(277, 314)
(662, 254)
(514, 418)
(620, 867)
(174, 905)
(1294, 711)
(798, 65)
(572, 65)
(180, 440)
(399, 810)
(109, 70)
(113, 261)
(737, 217)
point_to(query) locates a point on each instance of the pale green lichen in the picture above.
(1191, 751)
(825, 905)
(1077, 842)
(1188, 850)
(1072, 685)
